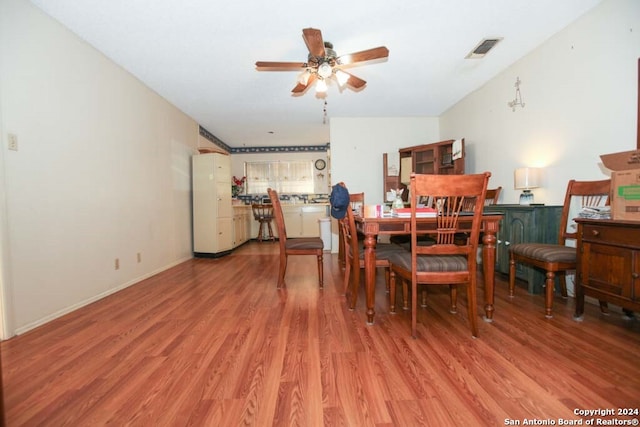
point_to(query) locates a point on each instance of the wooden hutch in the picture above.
(441, 158)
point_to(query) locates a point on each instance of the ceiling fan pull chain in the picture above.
(324, 118)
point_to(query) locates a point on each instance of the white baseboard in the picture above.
(93, 299)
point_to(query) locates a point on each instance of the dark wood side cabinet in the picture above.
(608, 263)
(525, 224)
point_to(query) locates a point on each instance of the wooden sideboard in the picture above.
(608, 266)
(525, 224)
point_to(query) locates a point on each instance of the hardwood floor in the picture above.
(212, 342)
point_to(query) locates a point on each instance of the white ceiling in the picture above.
(200, 55)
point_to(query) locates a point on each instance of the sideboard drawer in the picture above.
(616, 236)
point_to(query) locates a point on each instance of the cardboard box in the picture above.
(625, 184)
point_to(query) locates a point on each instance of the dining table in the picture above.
(374, 226)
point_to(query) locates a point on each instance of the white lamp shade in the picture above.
(342, 77)
(321, 86)
(304, 77)
(527, 178)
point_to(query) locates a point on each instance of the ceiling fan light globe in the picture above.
(324, 70)
(345, 59)
(342, 77)
(321, 86)
(303, 78)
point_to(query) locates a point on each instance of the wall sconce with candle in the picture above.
(526, 179)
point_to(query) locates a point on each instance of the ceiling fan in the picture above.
(323, 64)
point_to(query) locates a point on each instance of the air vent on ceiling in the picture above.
(483, 48)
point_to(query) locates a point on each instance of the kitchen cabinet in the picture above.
(608, 264)
(242, 219)
(302, 220)
(212, 212)
(310, 216)
(525, 224)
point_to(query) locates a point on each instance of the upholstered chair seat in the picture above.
(304, 243)
(383, 250)
(545, 252)
(431, 263)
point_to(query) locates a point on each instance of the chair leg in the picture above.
(563, 285)
(272, 237)
(392, 292)
(386, 279)
(282, 270)
(341, 255)
(260, 231)
(355, 285)
(453, 291)
(414, 308)
(472, 307)
(423, 299)
(548, 299)
(348, 292)
(604, 307)
(320, 271)
(405, 295)
(512, 276)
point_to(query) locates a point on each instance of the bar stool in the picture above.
(264, 215)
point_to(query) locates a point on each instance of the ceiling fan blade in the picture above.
(354, 81)
(301, 87)
(363, 55)
(279, 66)
(313, 40)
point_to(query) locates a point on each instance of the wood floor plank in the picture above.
(214, 342)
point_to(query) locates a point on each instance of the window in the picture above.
(285, 177)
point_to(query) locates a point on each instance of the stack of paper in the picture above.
(420, 212)
(596, 212)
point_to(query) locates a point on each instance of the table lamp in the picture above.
(525, 180)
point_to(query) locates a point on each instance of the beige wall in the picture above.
(580, 92)
(357, 145)
(102, 172)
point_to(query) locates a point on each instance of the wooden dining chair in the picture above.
(493, 194)
(296, 246)
(557, 259)
(354, 259)
(491, 198)
(444, 262)
(357, 205)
